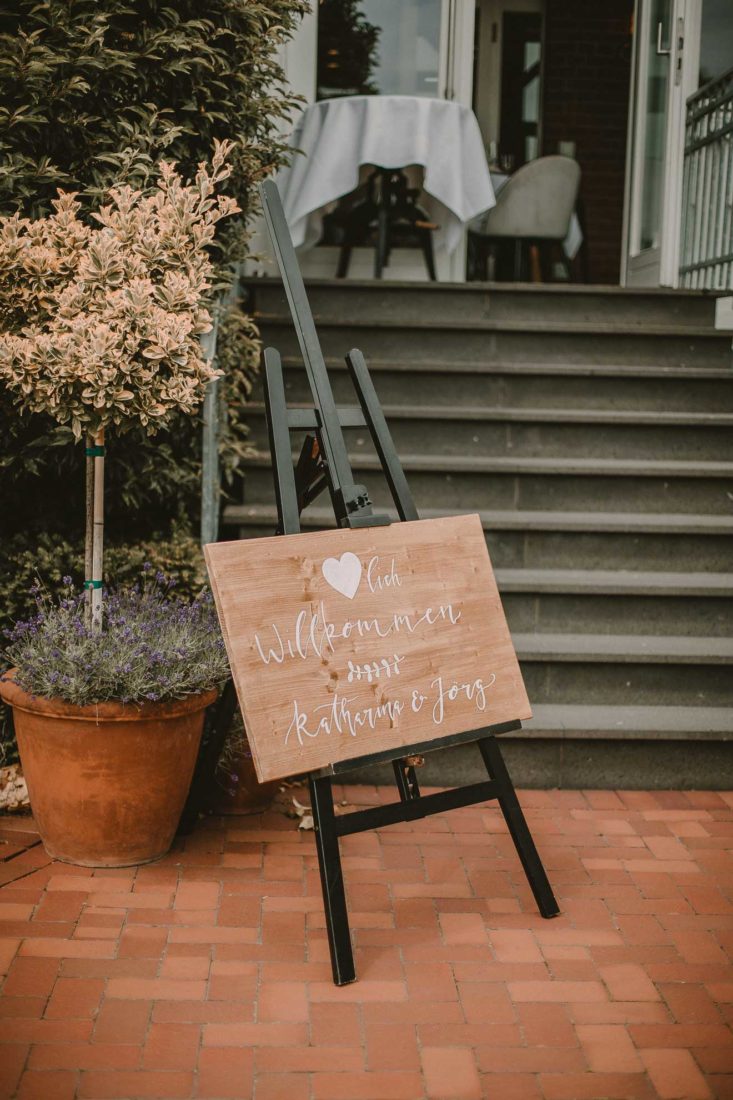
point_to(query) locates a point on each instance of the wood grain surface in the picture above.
(352, 642)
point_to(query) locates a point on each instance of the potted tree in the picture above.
(100, 329)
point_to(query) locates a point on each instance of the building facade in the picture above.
(640, 92)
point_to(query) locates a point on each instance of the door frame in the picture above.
(457, 28)
(659, 267)
(458, 25)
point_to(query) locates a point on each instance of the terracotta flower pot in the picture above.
(107, 782)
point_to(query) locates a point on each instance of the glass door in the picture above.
(663, 78)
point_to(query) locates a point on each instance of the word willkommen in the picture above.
(315, 633)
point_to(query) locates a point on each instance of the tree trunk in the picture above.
(98, 535)
(94, 533)
(89, 528)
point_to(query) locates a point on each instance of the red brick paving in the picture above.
(207, 974)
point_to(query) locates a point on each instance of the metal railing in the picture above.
(706, 253)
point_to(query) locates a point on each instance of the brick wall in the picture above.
(586, 98)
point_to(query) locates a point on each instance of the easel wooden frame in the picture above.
(324, 465)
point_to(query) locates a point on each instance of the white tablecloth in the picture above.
(338, 136)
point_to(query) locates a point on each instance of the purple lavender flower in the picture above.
(152, 647)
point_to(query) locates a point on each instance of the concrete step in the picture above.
(486, 385)
(512, 341)
(556, 758)
(631, 649)
(660, 611)
(629, 594)
(462, 430)
(590, 427)
(588, 746)
(624, 722)
(469, 414)
(626, 669)
(352, 299)
(547, 601)
(460, 483)
(584, 467)
(560, 540)
(615, 582)
(319, 516)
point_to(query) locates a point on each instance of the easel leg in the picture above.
(518, 828)
(332, 881)
(406, 780)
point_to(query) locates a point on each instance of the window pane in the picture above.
(716, 39)
(378, 47)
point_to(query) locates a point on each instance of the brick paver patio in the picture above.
(207, 974)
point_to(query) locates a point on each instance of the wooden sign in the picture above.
(352, 642)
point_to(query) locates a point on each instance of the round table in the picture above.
(339, 136)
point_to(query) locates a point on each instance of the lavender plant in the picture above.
(152, 648)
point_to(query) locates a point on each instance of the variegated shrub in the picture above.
(100, 325)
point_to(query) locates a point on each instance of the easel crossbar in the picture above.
(301, 420)
(419, 748)
(376, 816)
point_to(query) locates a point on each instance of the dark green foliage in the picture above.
(148, 481)
(94, 91)
(238, 356)
(48, 558)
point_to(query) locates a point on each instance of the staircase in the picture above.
(591, 429)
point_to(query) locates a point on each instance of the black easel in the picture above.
(324, 465)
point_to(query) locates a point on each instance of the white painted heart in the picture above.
(343, 574)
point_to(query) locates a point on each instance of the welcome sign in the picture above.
(352, 642)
